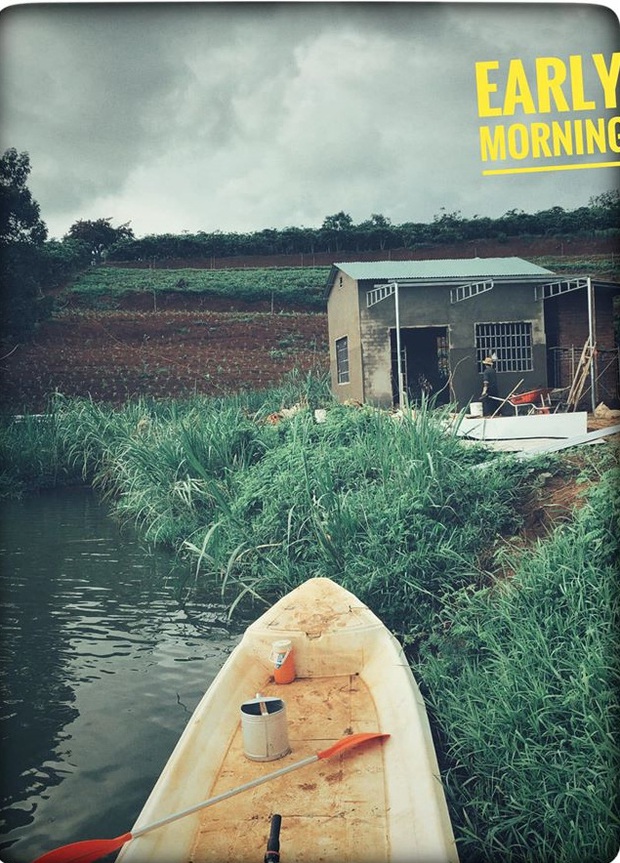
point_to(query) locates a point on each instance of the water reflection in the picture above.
(101, 666)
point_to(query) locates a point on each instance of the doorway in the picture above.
(425, 364)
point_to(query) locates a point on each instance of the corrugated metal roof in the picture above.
(446, 268)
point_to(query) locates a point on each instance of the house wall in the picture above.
(343, 320)
(504, 304)
(430, 306)
(375, 326)
(570, 312)
(567, 332)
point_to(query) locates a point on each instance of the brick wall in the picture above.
(568, 332)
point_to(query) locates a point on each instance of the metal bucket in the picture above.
(264, 729)
(476, 409)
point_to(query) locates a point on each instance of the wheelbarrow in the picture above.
(537, 401)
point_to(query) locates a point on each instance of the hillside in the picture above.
(119, 333)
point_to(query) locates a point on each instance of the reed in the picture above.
(389, 509)
(32, 455)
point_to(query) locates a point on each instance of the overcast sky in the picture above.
(240, 117)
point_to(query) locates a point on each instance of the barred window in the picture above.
(342, 359)
(510, 344)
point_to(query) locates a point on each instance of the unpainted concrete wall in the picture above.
(343, 320)
(430, 306)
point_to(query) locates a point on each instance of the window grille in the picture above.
(342, 360)
(510, 344)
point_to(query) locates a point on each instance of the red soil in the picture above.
(179, 345)
(116, 355)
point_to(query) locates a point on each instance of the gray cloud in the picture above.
(243, 116)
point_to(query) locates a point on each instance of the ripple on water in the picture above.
(102, 667)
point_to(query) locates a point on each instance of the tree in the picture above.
(22, 256)
(100, 235)
(338, 222)
(606, 200)
(336, 229)
(20, 219)
(375, 232)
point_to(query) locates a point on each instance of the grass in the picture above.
(520, 673)
(292, 285)
(525, 688)
(32, 455)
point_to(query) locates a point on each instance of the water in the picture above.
(102, 663)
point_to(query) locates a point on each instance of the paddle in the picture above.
(93, 849)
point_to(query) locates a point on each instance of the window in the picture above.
(509, 343)
(342, 359)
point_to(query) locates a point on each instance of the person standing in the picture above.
(489, 386)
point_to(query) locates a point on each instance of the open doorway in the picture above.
(425, 363)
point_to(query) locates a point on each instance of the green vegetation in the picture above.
(27, 263)
(593, 265)
(524, 683)
(520, 671)
(338, 233)
(293, 285)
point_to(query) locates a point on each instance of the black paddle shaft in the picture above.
(273, 843)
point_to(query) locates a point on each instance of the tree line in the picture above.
(31, 266)
(338, 233)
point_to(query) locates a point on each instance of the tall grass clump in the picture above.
(32, 455)
(389, 509)
(524, 687)
(181, 475)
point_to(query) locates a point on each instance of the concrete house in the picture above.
(430, 323)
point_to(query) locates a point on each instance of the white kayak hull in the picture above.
(384, 802)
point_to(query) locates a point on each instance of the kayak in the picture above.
(380, 801)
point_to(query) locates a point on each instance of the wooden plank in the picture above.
(581, 375)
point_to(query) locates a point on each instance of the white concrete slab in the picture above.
(519, 428)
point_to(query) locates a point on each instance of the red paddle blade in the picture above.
(349, 742)
(84, 852)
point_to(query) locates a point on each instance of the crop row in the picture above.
(295, 285)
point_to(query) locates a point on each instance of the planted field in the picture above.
(113, 356)
(603, 266)
(280, 287)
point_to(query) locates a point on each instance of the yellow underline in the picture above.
(551, 168)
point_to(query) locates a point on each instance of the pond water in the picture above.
(102, 663)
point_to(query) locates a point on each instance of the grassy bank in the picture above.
(519, 672)
(524, 683)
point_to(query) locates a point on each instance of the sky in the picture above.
(243, 116)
